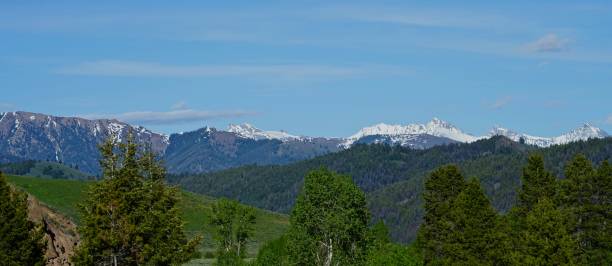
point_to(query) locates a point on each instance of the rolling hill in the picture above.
(63, 196)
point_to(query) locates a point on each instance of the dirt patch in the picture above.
(60, 232)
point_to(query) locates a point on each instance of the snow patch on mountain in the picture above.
(250, 132)
(585, 132)
(404, 133)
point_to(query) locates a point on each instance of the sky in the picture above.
(316, 68)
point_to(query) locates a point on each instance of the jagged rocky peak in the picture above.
(585, 132)
(249, 131)
(435, 127)
(71, 140)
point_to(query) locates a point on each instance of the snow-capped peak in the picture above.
(435, 127)
(585, 132)
(249, 131)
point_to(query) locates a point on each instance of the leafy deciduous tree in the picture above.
(329, 221)
(234, 225)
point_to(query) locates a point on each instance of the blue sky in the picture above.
(314, 68)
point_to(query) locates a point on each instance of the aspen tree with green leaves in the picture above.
(234, 226)
(329, 223)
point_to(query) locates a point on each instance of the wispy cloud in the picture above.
(609, 120)
(121, 68)
(415, 17)
(182, 105)
(170, 117)
(549, 43)
(5, 107)
(500, 103)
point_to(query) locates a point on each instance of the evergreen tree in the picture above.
(537, 183)
(475, 238)
(329, 222)
(545, 240)
(234, 225)
(131, 217)
(21, 241)
(441, 188)
(586, 196)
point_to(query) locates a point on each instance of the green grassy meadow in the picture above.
(64, 195)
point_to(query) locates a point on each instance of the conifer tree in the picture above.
(234, 226)
(545, 239)
(441, 189)
(537, 183)
(586, 197)
(475, 238)
(329, 222)
(131, 217)
(21, 241)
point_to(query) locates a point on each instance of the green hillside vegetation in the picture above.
(393, 177)
(64, 195)
(554, 222)
(44, 169)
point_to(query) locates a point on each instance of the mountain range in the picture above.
(73, 141)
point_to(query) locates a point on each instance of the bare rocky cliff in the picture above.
(69, 140)
(60, 232)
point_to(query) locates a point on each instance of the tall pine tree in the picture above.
(475, 238)
(441, 189)
(539, 229)
(586, 196)
(21, 241)
(537, 183)
(131, 217)
(545, 239)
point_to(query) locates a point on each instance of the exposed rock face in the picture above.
(70, 140)
(60, 232)
(209, 149)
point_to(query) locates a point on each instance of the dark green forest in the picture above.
(393, 177)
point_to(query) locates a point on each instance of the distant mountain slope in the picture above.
(43, 170)
(70, 140)
(393, 176)
(209, 149)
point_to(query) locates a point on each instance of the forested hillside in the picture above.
(392, 177)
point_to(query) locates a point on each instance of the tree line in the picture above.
(131, 217)
(554, 222)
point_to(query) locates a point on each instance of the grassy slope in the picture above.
(63, 196)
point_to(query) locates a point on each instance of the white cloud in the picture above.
(500, 103)
(450, 18)
(182, 105)
(146, 69)
(548, 43)
(121, 68)
(170, 117)
(609, 120)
